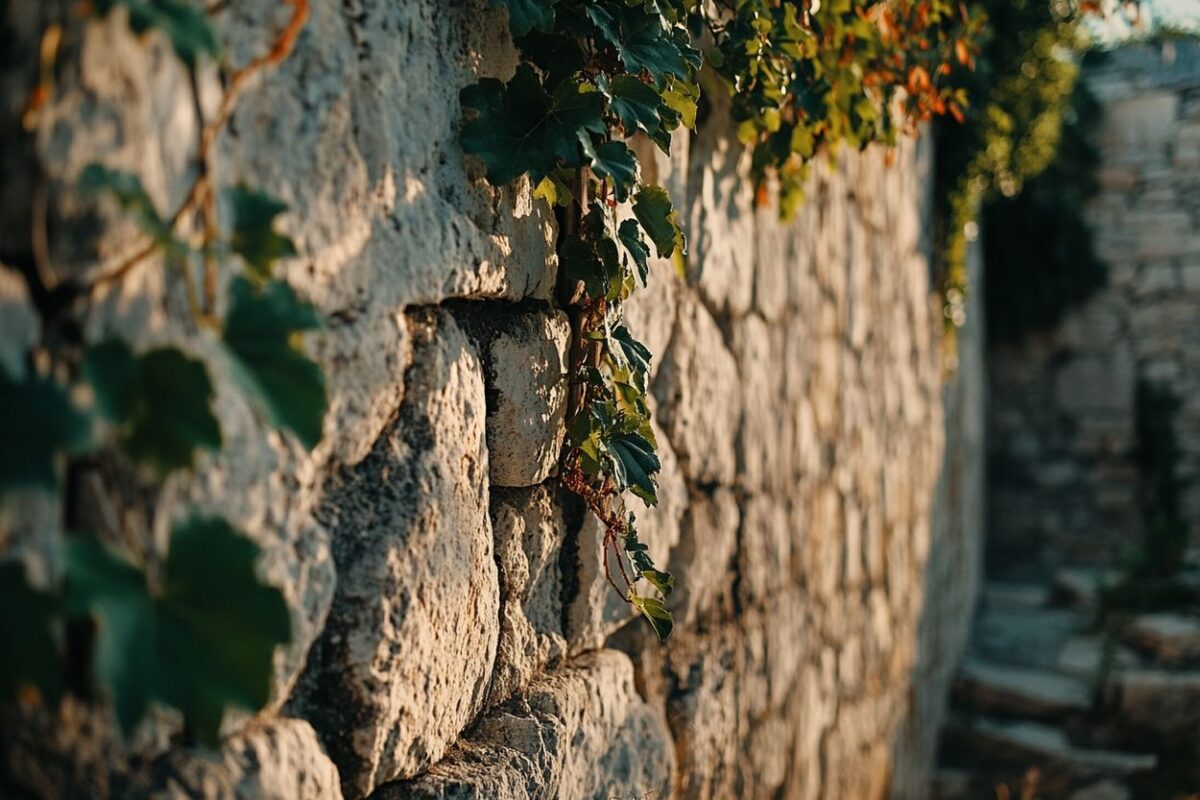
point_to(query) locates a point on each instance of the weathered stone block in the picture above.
(699, 396)
(406, 657)
(527, 369)
(279, 760)
(529, 531)
(579, 732)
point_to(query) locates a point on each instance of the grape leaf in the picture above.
(683, 98)
(286, 385)
(663, 581)
(631, 238)
(254, 238)
(633, 353)
(518, 128)
(161, 402)
(29, 636)
(643, 44)
(128, 191)
(183, 22)
(635, 102)
(40, 425)
(634, 463)
(202, 640)
(655, 613)
(526, 15)
(653, 210)
(612, 160)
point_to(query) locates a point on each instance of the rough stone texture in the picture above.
(529, 529)
(527, 362)
(1064, 477)
(280, 760)
(455, 636)
(581, 732)
(418, 595)
(1172, 639)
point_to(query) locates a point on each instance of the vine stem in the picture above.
(199, 194)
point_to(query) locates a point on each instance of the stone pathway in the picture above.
(1048, 704)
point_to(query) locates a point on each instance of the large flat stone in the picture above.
(1157, 701)
(406, 656)
(1031, 693)
(1169, 638)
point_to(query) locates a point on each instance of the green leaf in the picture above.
(161, 402)
(287, 386)
(40, 426)
(634, 464)
(633, 352)
(612, 160)
(202, 642)
(526, 15)
(653, 210)
(184, 23)
(643, 44)
(518, 128)
(30, 636)
(663, 581)
(128, 191)
(683, 97)
(635, 102)
(254, 238)
(631, 238)
(655, 613)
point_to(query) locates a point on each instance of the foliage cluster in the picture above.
(801, 75)
(194, 629)
(1022, 95)
(1037, 246)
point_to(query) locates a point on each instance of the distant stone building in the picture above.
(1064, 474)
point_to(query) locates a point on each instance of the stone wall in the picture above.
(1064, 476)
(454, 636)
(955, 565)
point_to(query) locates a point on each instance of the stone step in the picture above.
(1011, 594)
(1106, 789)
(1024, 636)
(1157, 701)
(1171, 639)
(1087, 656)
(1025, 743)
(1021, 692)
(1081, 587)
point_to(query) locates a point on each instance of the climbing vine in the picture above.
(803, 76)
(194, 629)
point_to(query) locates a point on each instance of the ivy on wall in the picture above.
(1022, 93)
(194, 628)
(803, 76)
